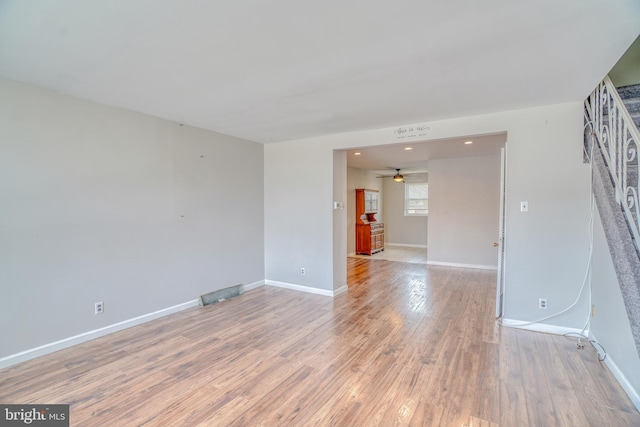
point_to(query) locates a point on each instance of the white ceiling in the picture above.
(414, 157)
(274, 71)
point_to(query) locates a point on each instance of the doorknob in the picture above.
(495, 244)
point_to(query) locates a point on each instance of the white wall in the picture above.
(358, 178)
(400, 229)
(610, 325)
(546, 249)
(339, 221)
(627, 69)
(464, 208)
(299, 231)
(104, 204)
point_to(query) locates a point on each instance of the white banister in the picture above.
(618, 138)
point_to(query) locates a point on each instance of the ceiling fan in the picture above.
(398, 177)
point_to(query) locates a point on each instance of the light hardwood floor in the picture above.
(398, 253)
(407, 345)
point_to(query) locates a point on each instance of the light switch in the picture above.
(524, 206)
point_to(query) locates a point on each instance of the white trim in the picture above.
(633, 394)
(502, 240)
(456, 264)
(340, 290)
(42, 350)
(300, 288)
(540, 327)
(253, 285)
(406, 245)
(90, 335)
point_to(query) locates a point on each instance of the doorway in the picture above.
(417, 159)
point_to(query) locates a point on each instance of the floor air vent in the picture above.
(221, 295)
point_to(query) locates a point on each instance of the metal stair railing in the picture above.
(618, 139)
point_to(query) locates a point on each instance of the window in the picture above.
(416, 199)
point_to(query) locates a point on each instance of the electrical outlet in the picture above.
(542, 303)
(98, 307)
(303, 271)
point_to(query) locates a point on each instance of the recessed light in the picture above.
(357, 153)
(468, 142)
(408, 148)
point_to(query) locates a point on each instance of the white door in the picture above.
(501, 233)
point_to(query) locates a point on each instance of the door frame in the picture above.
(500, 287)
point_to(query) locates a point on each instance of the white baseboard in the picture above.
(253, 285)
(633, 394)
(539, 327)
(90, 335)
(299, 288)
(456, 264)
(23, 356)
(340, 290)
(406, 245)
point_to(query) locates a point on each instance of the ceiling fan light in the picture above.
(398, 178)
